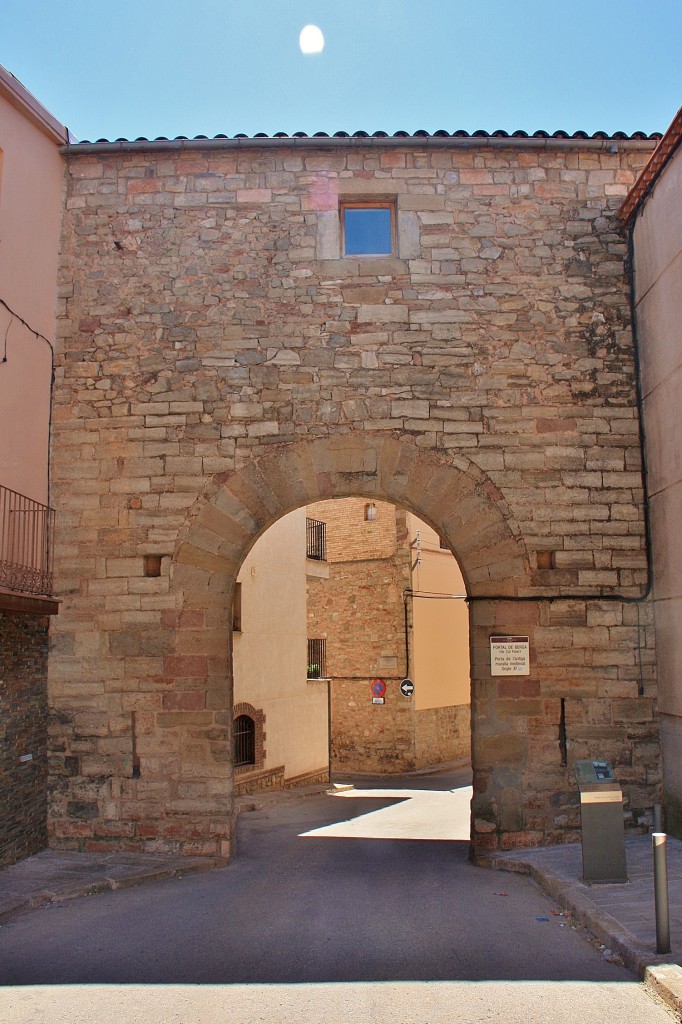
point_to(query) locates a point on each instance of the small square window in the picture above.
(368, 229)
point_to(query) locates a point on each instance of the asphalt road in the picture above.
(334, 908)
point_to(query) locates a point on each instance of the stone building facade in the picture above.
(220, 363)
(363, 607)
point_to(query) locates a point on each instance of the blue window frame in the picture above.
(368, 229)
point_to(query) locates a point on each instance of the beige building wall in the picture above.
(31, 189)
(31, 192)
(441, 625)
(658, 282)
(270, 652)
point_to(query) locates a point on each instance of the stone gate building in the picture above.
(226, 355)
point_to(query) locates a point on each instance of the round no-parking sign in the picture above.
(378, 688)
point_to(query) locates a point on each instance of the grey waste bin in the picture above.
(601, 815)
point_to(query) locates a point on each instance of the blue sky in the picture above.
(187, 67)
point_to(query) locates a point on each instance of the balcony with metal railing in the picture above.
(26, 546)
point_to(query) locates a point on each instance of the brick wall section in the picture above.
(350, 537)
(216, 369)
(359, 610)
(23, 730)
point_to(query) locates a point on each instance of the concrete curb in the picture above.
(666, 982)
(660, 976)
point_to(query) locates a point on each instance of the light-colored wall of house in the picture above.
(441, 627)
(31, 187)
(658, 281)
(270, 653)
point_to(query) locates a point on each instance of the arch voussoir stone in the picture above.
(225, 527)
(249, 488)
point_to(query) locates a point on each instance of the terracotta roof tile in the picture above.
(648, 177)
(421, 133)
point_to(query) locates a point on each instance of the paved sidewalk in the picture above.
(53, 876)
(56, 875)
(619, 915)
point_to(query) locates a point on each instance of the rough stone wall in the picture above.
(586, 654)
(371, 738)
(23, 731)
(218, 364)
(443, 734)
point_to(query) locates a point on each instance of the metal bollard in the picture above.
(658, 818)
(661, 892)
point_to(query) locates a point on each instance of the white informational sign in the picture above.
(509, 656)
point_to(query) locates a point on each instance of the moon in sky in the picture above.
(311, 39)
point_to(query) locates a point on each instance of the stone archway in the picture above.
(450, 493)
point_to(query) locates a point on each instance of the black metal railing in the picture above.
(317, 659)
(244, 741)
(26, 531)
(316, 539)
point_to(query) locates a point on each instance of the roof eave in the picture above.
(20, 98)
(607, 144)
(650, 174)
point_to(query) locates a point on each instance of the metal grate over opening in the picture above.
(244, 740)
(316, 539)
(317, 659)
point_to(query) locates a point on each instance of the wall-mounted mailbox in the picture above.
(601, 815)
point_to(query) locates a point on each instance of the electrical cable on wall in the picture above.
(15, 316)
(4, 354)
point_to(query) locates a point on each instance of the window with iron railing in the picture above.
(316, 540)
(244, 741)
(317, 659)
(26, 558)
